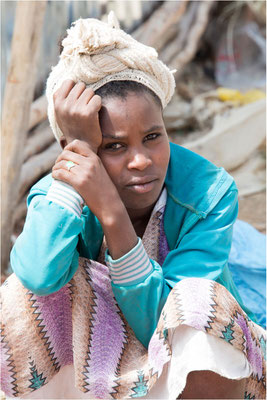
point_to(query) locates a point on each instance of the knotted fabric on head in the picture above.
(97, 52)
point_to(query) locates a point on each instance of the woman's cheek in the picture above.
(164, 155)
(113, 168)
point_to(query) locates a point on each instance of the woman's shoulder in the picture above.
(195, 182)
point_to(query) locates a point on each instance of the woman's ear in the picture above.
(63, 142)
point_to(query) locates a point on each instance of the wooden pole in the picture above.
(16, 109)
(38, 111)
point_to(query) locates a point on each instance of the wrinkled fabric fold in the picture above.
(82, 325)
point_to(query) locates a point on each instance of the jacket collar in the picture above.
(193, 183)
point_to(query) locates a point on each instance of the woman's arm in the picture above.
(44, 257)
(203, 252)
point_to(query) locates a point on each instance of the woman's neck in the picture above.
(140, 218)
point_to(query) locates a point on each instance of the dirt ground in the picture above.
(252, 209)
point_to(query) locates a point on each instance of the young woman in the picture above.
(103, 309)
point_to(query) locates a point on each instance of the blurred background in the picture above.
(218, 49)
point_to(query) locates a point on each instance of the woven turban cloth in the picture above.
(97, 52)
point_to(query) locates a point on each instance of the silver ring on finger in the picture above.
(70, 164)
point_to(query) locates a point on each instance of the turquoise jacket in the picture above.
(198, 222)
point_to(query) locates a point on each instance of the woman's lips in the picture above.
(142, 187)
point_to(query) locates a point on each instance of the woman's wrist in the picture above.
(66, 196)
(118, 230)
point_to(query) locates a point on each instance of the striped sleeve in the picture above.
(132, 268)
(66, 196)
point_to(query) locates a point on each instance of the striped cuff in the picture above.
(67, 197)
(132, 268)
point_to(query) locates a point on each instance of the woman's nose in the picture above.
(140, 161)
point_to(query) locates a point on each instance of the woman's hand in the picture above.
(88, 177)
(76, 110)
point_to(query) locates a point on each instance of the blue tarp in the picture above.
(247, 263)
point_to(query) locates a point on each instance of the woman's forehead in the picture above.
(135, 107)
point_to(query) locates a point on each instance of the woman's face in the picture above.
(135, 149)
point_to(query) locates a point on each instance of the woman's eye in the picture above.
(113, 146)
(152, 136)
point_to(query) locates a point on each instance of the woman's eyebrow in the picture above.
(121, 137)
(110, 136)
(154, 128)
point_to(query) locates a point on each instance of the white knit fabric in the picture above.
(65, 196)
(96, 52)
(132, 268)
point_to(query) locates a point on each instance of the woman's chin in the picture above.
(141, 201)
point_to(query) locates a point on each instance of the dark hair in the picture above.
(122, 88)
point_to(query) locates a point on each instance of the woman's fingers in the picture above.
(81, 155)
(86, 96)
(76, 111)
(77, 91)
(64, 175)
(80, 147)
(95, 103)
(64, 164)
(74, 91)
(81, 176)
(69, 155)
(64, 89)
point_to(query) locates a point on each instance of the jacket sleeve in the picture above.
(203, 252)
(44, 257)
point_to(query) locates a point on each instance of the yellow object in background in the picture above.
(239, 98)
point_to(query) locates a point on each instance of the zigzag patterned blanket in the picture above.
(82, 325)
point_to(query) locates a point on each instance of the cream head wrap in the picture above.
(96, 52)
